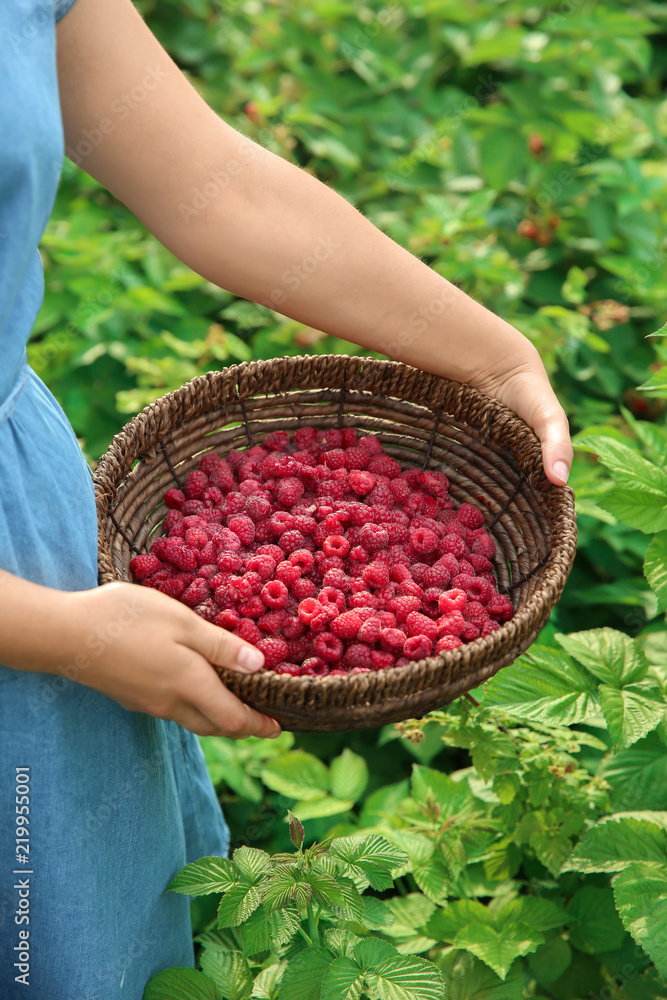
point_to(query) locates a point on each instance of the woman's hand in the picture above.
(144, 650)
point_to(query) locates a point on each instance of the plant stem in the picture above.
(312, 924)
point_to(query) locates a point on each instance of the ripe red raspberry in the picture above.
(448, 642)
(303, 588)
(363, 599)
(243, 527)
(488, 627)
(173, 519)
(157, 579)
(452, 600)
(357, 459)
(195, 484)
(145, 565)
(418, 570)
(359, 555)
(330, 596)
(293, 669)
(286, 572)
(403, 606)
(305, 437)
(174, 499)
(303, 559)
(452, 623)
(473, 587)
(264, 566)
(336, 545)
(469, 516)
(171, 587)
(229, 619)
(328, 646)
(453, 544)
(276, 441)
(434, 483)
(291, 541)
(476, 613)
(289, 491)
(501, 607)
(348, 437)
(431, 606)
(484, 546)
(392, 640)
(370, 631)
(222, 477)
(374, 537)
(293, 627)
(376, 574)
(274, 594)
(423, 540)
(209, 610)
(384, 465)
(212, 497)
(280, 522)
(400, 489)
(357, 655)
(334, 459)
(336, 578)
(254, 607)
(196, 538)
(192, 507)
(274, 649)
(309, 609)
(382, 659)
(247, 629)
(417, 647)
(418, 624)
(437, 575)
(408, 588)
(346, 626)
(181, 556)
(196, 593)
(208, 571)
(470, 632)
(257, 507)
(305, 524)
(399, 572)
(298, 649)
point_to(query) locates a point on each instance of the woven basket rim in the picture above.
(161, 417)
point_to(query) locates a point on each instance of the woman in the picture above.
(104, 792)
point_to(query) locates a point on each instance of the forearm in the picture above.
(38, 626)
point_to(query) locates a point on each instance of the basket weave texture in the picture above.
(490, 456)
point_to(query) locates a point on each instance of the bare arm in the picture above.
(134, 122)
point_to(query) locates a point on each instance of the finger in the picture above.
(224, 711)
(552, 428)
(223, 648)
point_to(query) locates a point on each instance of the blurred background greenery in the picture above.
(517, 147)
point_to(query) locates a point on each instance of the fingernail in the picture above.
(250, 659)
(561, 471)
(276, 732)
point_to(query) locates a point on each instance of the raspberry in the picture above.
(410, 589)
(452, 623)
(452, 600)
(195, 484)
(287, 573)
(274, 650)
(328, 646)
(470, 632)
(192, 507)
(303, 588)
(293, 669)
(243, 527)
(476, 613)
(331, 596)
(229, 619)
(376, 574)
(180, 555)
(382, 659)
(249, 584)
(305, 437)
(257, 507)
(474, 588)
(359, 554)
(174, 499)
(399, 573)
(264, 566)
(392, 640)
(423, 540)
(370, 630)
(437, 575)
(276, 441)
(314, 665)
(298, 649)
(291, 541)
(356, 460)
(453, 544)
(363, 599)
(434, 483)
(274, 594)
(357, 655)
(346, 626)
(447, 642)
(278, 466)
(403, 606)
(418, 624)
(336, 578)
(309, 608)
(400, 489)
(145, 565)
(374, 537)
(488, 627)
(417, 647)
(280, 522)
(484, 546)
(431, 597)
(212, 497)
(293, 628)
(157, 579)
(289, 491)
(418, 570)
(248, 630)
(500, 606)
(336, 545)
(172, 587)
(195, 537)
(254, 607)
(305, 524)
(384, 465)
(469, 516)
(208, 571)
(196, 593)
(222, 477)
(334, 459)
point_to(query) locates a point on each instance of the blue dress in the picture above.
(118, 801)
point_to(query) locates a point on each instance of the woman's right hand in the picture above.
(139, 647)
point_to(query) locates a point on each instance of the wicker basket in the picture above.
(489, 455)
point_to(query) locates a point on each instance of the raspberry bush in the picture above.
(327, 567)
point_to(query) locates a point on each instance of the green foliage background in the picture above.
(519, 148)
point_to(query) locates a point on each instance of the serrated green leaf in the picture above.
(237, 904)
(619, 840)
(262, 931)
(302, 980)
(343, 980)
(204, 876)
(550, 960)
(368, 860)
(655, 568)
(297, 774)
(181, 984)
(409, 914)
(378, 915)
(611, 656)
(266, 982)
(544, 686)
(349, 775)
(594, 924)
(341, 942)
(633, 711)
(638, 775)
(628, 468)
(251, 862)
(453, 798)
(383, 803)
(372, 951)
(445, 923)
(641, 898)
(640, 509)
(284, 885)
(229, 971)
(541, 914)
(498, 948)
(326, 806)
(469, 979)
(406, 977)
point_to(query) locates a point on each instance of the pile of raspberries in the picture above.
(326, 556)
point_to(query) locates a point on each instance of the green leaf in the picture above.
(326, 806)
(383, 803)
(641, 897)
(378, 915)
(544, 686)
(550, 960)
(445, 923)
(266, 982)
(594, 924)
(371, 952)
(498, 948)
(283, 885)
(619, 840)
(406, 977)
(342, 942)
(502, 155)
(628, 468)
(343, 980)
(237, 904)
(611, 656)
(453, 798)
(181, 984)
(297, 774)
(539, 913)
(229, 971)
(638, 775)
(302, 980)
(204, 876)
(410, 913)
(251, 862)
(640, 509)
(633, 711)
(368, 860)
(296, 830)
(349, 776)
(263, 931)
(469, 979)
(655, 568)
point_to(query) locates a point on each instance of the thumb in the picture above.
(224, 649)
(551, 426)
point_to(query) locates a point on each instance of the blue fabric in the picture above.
(119, 801)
